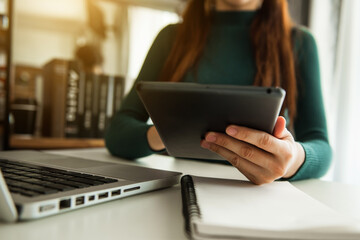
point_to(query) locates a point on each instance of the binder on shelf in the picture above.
(118, 93)
(101, 119)
(75, 77)
(87, 125)
(231, 209)
(115, 95)
(109, 98)
(78, 104)
(61, 98)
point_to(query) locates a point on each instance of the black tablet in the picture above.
(183, 112)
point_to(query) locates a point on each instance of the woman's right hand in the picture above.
(154, 139)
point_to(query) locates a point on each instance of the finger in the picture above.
(280, 127)
(254, 137)
(280, 130)
(242, 149)
(249, 169)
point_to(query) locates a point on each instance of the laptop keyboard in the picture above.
(32, 180)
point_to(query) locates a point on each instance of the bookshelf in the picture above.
(42, 22)
(5, 59)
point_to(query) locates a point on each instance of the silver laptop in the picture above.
(36, 184)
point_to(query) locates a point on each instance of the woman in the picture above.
(242, 42)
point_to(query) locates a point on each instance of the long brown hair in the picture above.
(271, 39)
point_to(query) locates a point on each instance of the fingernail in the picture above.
(231, 131)
(211, 138)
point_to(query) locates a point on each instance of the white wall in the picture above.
(44, 29)
(145, 24)
(323, 25)
(337, 31)
(64, 9)
(47, 29)
(3, 6)
(35, 47)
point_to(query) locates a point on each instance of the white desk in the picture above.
(155, 215)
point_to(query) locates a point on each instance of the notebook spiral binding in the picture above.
(189, 202)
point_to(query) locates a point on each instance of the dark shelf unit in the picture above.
(5, 41)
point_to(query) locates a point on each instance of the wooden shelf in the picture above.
(165, 5)
(52, 23)
(20, 142)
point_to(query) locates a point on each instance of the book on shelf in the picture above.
(232, 209)
(78, 104)
(115, 95)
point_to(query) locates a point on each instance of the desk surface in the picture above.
(155, 215)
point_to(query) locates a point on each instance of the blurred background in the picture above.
(95, 49)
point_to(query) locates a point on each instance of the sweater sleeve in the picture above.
(310, 124)
(126, 135)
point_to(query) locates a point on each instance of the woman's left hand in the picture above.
(260, 156)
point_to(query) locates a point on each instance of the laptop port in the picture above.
(46, 207)
(131, 189)
(115, 193)
(103, 195)
(80, 201)
(65, 203)
(91, 198)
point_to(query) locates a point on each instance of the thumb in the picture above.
(280, 128)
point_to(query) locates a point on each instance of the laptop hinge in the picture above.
(8, 211)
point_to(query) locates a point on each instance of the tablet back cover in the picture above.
(183, 112)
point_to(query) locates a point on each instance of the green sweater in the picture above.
(228, 59)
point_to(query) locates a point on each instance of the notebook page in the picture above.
(279, 206)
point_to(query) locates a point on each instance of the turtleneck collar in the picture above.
(234, 18)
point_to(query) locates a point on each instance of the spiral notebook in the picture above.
(231, 209)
